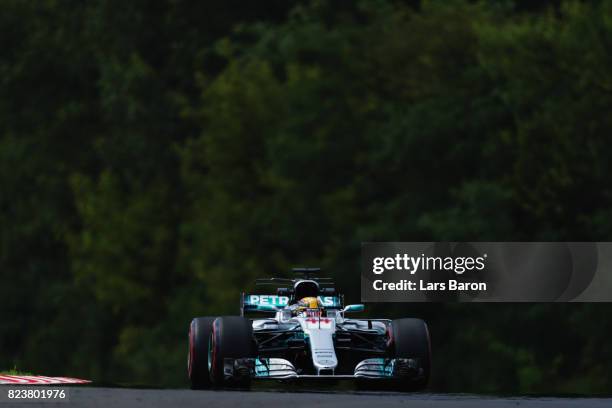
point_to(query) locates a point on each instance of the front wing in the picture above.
(281, 369)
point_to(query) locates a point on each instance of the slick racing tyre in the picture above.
(197, 361)
(411, 341)
(231, 337)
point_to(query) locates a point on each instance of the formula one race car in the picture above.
(308, 337)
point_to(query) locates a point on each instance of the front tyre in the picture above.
(411, 341)
(231, 337)
(197, 361)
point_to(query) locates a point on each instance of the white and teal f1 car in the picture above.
(306, 336)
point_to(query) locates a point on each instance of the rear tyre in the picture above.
(411, 340)
(197, 361)
(231, 337)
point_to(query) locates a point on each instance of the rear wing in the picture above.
(268, 303)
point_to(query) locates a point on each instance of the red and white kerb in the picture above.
(39, 380)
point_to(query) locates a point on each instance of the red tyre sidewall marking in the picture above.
(390, 334)
(191, 350)
(429, 346)
(214, 346)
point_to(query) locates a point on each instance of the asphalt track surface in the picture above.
(123, 398)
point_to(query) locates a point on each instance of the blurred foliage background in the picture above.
(156, 157)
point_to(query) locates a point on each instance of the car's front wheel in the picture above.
(231, 337)
(197, 361)
(410, 340)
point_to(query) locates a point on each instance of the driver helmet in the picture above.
(309, 307)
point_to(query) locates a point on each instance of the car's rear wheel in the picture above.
(231, 337)
(411, 341)
(197, 361)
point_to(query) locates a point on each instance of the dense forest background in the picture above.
(156, 157)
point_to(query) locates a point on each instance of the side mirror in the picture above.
(354, 308)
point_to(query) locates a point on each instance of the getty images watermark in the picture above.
(486, 271)
(411, 264)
